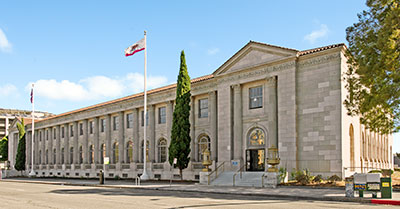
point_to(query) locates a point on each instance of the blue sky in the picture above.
(70, 47)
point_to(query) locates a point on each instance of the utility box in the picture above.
(386, 188)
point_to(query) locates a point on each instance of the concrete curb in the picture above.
(172, 189)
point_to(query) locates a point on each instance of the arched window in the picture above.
(352, 160)
(91, 154)
(54, 156)
(71, 155)
(203, 145)
(62, 155)
(256, 137)
(47, 157)
(80, 155)
(102, 153)
(115, 152)
(129, 152)
(147, 151)
(162, 150)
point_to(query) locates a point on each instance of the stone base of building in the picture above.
(270, 180)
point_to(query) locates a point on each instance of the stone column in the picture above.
(135, 130)
(212, 105)
(121, 137)
(192, 121)
(108, 136)
(85, 142)
(76, 145)
(96, 141)
(170, 111)
(237, 123)
(50, 145)
(273, 124)
(152, 130)
(66, 144)
(58, 149)
(28, 151)
(36, 147)
(44, 138)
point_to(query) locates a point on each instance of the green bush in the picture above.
(303, 177)
(334, 178)
(397, 169)
(375, 171)
(317, 179)
(282, 174)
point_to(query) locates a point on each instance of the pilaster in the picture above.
(151, 133)
(121, 137)
(213, 124)
(237, 123)
(136, 143)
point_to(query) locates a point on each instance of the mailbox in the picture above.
(386, 188)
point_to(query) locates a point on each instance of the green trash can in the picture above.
(386, 188)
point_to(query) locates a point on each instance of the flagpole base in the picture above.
(144, 176)
(32, 173)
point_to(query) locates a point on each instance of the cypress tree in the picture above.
(21, 158)
(179, 147)
(4, 149)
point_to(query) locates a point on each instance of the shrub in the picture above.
(303, 177)
(317, 179)
(334, 178)
(282, 174)
(375, 171)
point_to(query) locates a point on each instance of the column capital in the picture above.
(211, 93)
(271, 80)
(236, 86)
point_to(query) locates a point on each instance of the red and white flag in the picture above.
(32, 95)
(137, 47)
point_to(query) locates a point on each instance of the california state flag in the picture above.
(137, 47)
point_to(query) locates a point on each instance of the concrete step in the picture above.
(249, 179)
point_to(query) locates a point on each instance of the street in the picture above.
(28, 195)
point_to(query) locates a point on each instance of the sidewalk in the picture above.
(298, 193)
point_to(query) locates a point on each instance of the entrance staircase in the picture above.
(248, 179)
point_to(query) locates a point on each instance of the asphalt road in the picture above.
(28, 195)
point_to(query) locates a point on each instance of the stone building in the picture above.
(8, 116)
(262, 95)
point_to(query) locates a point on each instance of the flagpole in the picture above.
(32, 173)
(145, 176)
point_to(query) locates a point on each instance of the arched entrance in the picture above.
(255, 153)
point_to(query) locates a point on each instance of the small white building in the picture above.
(263, 95)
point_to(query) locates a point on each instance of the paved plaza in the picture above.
(16, 194)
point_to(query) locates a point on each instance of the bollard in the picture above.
(101, 177)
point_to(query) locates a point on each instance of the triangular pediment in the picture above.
(254, 54)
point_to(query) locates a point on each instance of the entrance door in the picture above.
(255, 160)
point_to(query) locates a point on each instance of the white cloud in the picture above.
(95, 87)
(8, 90)
(212, 51)
(5, 45)
(317, 34)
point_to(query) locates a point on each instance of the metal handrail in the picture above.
(262, 180)
(216, 172)
(239, 171)
(137, 180)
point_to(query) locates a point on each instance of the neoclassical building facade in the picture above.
(263, 95)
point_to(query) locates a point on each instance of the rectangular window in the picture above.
(62, 132)
(80, 129)
(91, 127)
(162, 116)
(47, 135)
(103, 125)
(203, 108)
(129, 120)
(255, 97)
(115, 123)
(54, 133)
(71, 130)
(147, 118)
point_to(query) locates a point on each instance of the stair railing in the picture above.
(262, 180)
(216, 172)
(238, 172)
